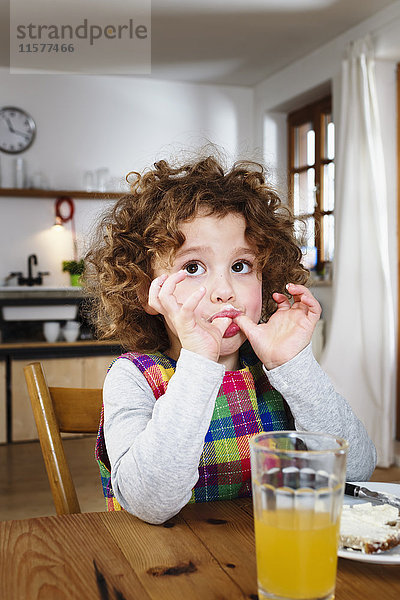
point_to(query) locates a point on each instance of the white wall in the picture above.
(311, 77)
(122, 123)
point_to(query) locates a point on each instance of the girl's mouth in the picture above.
(231, 313)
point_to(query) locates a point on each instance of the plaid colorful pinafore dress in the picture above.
(246, 404)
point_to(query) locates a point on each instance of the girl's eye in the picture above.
(194, 268)
(241, 267)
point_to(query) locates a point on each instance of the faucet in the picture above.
(32, 258)
(30, 280)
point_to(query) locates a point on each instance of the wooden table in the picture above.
(206, 552)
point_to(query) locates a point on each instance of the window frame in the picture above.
(398, 251)
(313, 113)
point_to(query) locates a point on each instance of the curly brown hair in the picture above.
(144, 225)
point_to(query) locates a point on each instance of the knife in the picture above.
(362, 492)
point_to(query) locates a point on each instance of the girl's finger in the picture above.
(167, 289)
(245, 324)
(296, 289)
(191, 303)
(302, 294)
(314, 307)
(281, 300)
(154, 291)
(222, 324)
(170, 283)
(309, 306)
(307, 299)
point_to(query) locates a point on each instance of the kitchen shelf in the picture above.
(39, 193)
(78, 344)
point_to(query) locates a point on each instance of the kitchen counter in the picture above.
(16, 345)
(26, 304)
(33, 350)
(40, 292)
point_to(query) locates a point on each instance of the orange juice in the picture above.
(296, 553)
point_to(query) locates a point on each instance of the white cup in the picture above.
(71, 330)
(51, 331)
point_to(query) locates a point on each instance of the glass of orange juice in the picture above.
(298, 482)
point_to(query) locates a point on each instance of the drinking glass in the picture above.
(102, 177)
(298, 483)
(88, 181)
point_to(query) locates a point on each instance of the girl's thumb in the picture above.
(221, 324)
(245, 324)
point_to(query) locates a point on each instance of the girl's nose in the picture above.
(222, 290)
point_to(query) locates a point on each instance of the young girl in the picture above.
(198, 275)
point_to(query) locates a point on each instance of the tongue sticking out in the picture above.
(232, 330)
(230, 312)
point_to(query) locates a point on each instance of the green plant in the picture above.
(74, 267)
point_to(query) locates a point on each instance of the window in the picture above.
(311, 182)
(398, 252)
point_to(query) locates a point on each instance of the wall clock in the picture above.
(17, 130)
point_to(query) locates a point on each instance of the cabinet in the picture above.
(86, 372)
(3, 401)
(94, 370)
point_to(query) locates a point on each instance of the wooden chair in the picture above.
(56, 410)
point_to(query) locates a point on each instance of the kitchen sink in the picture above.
(37, 288)
(39, 302)
(41, 312)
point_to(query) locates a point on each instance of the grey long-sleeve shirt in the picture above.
(154, 447)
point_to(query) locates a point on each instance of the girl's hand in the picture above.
(287, 331)
(194, 333)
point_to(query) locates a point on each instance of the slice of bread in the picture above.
(369, 528)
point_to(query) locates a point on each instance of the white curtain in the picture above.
(360, 351)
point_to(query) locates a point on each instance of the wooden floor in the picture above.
(24, 488)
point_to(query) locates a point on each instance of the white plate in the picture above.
(390, 557)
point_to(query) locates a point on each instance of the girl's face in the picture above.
(217, 256)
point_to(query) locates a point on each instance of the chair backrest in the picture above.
(56, 409)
